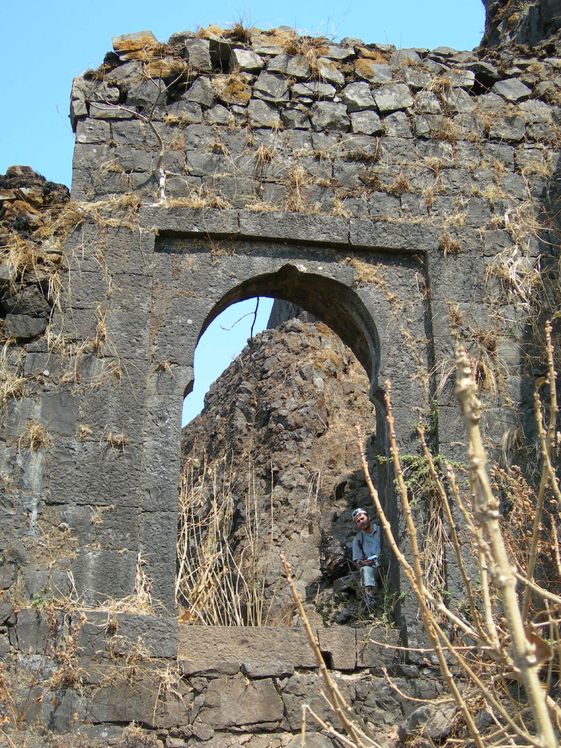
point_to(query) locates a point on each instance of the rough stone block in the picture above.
(198, 54)
(235, 703)
(373, 71)
(366, 122)
(201, 92)
(92, 472)
(32, 632)
(314, 90)
(262, 114)
(294, 226)
(103, 574)
(271, 87)
(24, 327)
(403, 236)
(59, 413)
(268, 650)
(307, 688)
(393, 97)
(328, 115)
(375, 647)
(338, 644)
(189, 220)
(358, 96)
(126, 334)
(125, 702)
(99, 110)
(511, 89)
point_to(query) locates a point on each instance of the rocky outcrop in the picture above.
(283, 418)
(29, 206)
(528, 22)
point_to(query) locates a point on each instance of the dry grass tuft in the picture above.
(12, 382)
(34, 438)
(232, 88)
(200, 199)
(518, 276)
(116, 441)
(239, 32)
(450, 245)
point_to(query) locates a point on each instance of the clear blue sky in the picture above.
(45, 44)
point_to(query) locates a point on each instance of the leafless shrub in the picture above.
(500, 657)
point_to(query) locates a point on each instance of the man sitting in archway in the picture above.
(366, 552)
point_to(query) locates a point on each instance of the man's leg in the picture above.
(368, 583)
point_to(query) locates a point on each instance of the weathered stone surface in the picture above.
(397, 125)
(125, 75)
(374, 647)
(402, 57)
(327, 115)
(262, 114)
(91, 131)
(148, 93)
(109, 111)
(265, 650)
(24, 327)
(124, 702)
(366, 122)
(31, 633)
(434, 721)
(328, 71)
(392, 97)
(457, 100)
(29, 300)
(298, 67)
(201, 92)
(314, 90)
(134, 46)
(511, 89)
(245, 59)
(509, 128)
(463, 78)
(339, 52)
(373, 71)
(296, 119)
(338, 644)
(198, 54)
(105, 92)
(236, 703)
(427, 102)
(271, 87)
(417, 78)
(302, 227)
(308, 687)
(358, 96)
(403, 236)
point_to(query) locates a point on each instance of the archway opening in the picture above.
(272, 461)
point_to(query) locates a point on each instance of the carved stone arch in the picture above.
(333, 302)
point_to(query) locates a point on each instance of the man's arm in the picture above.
(358, 552)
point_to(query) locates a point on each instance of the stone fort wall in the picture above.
(405, 197)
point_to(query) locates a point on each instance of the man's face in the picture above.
(361, 521)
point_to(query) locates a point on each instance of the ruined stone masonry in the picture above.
(404, 197)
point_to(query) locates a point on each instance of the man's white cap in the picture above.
(358, 510)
